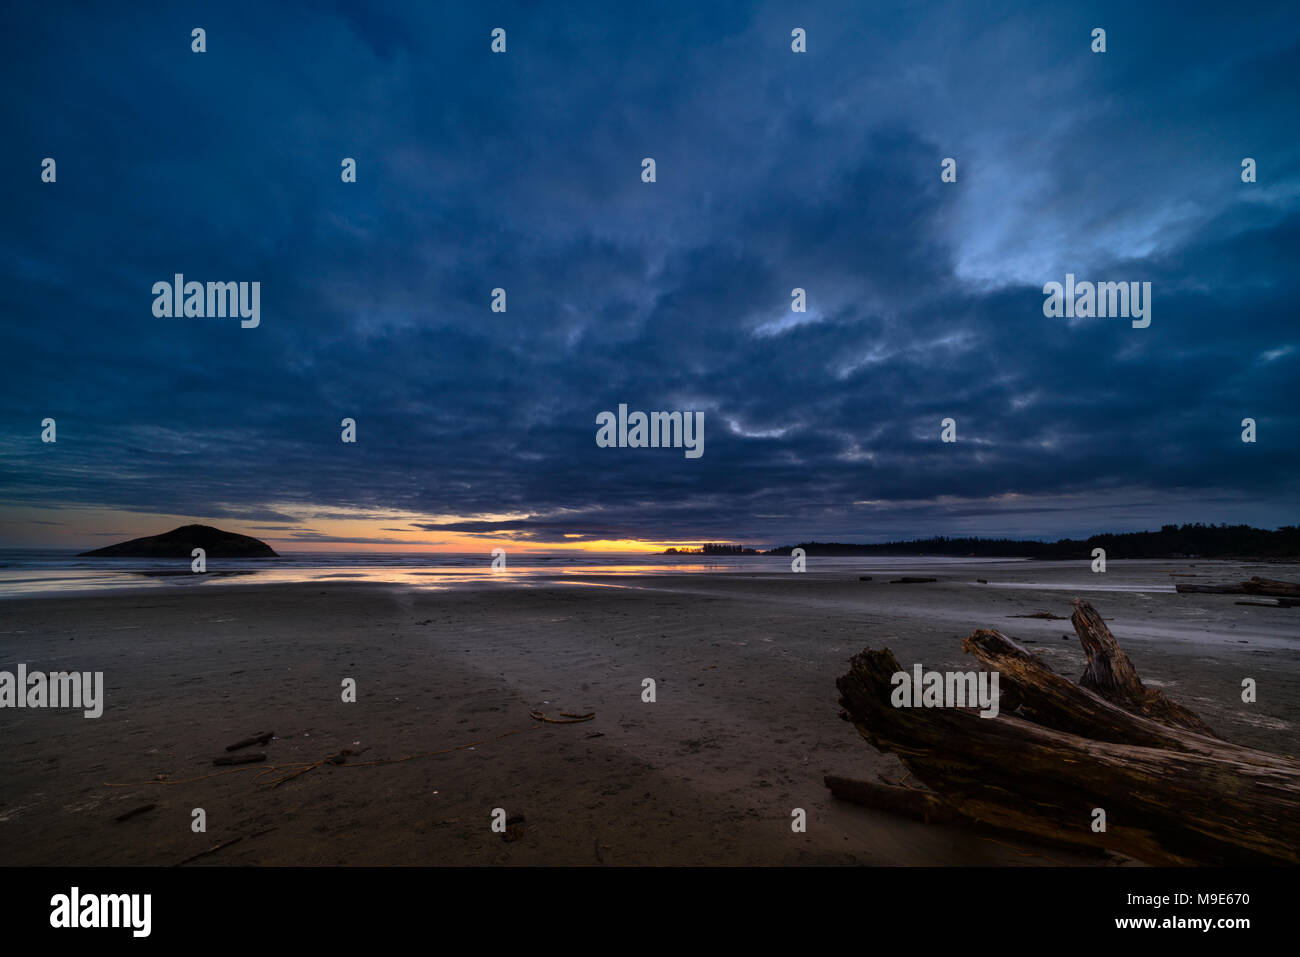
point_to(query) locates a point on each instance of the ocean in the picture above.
(32, 571)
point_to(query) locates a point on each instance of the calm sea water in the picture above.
(26, 572)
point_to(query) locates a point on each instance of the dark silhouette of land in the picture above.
(1172, 541)
(714, 548)
(181, 542)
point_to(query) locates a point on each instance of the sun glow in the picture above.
(294, 529)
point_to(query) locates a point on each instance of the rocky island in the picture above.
(181, 542)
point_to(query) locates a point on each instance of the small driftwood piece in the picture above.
(262, 738)
(134, 812)
(211, 850)
(1271, 586)
(1256, 586)
(239, 759)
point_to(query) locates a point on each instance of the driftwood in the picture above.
(1256, 586)
(224, 845)
(262, 738)
(211, 850)
(1172, 792)
(134, 812)
(239, 759)
(912, 580)
(1111, 675)
(909, 802)
(1270, 586)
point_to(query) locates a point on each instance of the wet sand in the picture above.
(744, 727)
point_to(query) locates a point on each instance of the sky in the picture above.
(522, 170)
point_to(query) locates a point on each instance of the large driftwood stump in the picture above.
(1173, 793)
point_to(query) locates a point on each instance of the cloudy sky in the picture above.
(522, 171)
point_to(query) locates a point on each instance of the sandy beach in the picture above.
(744, 727)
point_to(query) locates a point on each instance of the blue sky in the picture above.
(522, 171)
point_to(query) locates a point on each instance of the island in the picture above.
(181, 542)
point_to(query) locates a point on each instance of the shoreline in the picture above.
(82, 581)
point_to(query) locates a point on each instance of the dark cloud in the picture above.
(316, 538)
(775, 170)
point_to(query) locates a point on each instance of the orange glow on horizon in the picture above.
(359, 531)
(472, 545)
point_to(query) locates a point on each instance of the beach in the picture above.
(743, 727)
